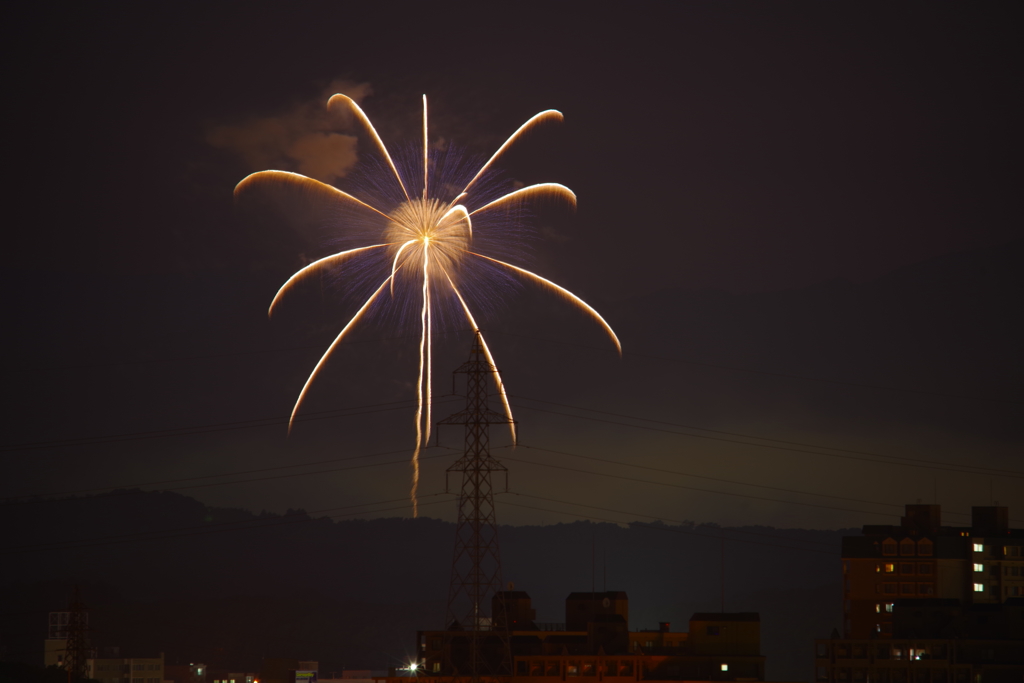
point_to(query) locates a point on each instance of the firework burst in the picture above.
(425, 242)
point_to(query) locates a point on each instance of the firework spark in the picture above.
(428, 241)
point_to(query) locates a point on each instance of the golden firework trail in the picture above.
(426, 239)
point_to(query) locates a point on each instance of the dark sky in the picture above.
(801, 218)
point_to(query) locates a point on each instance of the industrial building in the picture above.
(594, 642)
(126, 670)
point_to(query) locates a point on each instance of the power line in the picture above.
(767, 373)
(209, 428)
(986, 470)
(689, 488)
(321, 415)
(913, 463)
(700, 476)
(180, 359)
(425, 457)
(226, 474)
(404, 461)
(546, 340)
(694, 488)
(558, 452)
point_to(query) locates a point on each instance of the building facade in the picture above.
(595, 643)
(927, 603)
(122, 670)
(920, 559)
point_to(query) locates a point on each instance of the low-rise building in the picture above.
(126, 670)
(285, 670)
(195, 672)
(933, 641)
(594, 643)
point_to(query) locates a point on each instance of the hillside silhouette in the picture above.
(163, 572)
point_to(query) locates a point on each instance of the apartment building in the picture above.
(921, 559)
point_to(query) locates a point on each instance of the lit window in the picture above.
(979, 588)
(725, 667)
(978, 567)
(890, 567)
(979, 548)
(888, 607)
(878, 609)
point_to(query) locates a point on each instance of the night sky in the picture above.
(802, 219)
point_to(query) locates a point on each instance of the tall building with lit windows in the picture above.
(927, 603)
(923, 560)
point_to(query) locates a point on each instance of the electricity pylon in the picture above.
(476, 646)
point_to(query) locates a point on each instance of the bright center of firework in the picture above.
(418, 226)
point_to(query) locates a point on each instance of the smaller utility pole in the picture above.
(76, 651)
(721, 540)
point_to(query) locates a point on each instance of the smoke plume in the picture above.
(304, 138)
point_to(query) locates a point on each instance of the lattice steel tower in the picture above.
(476, 647)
